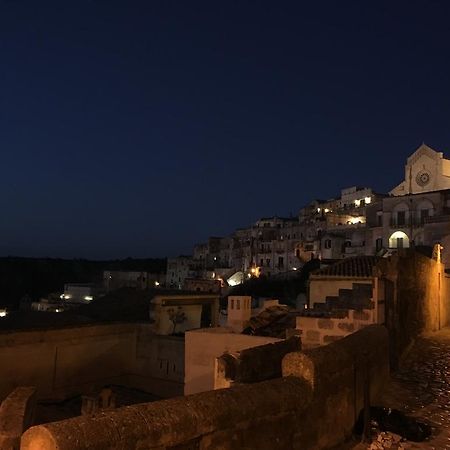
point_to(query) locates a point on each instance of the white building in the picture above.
(426, 170)
(81, 292)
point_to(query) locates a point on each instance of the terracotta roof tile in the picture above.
(357, 266)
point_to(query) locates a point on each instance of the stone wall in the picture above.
(322, 287)
(313, 406)
(158, 366)
(337, 374)
(318, 331)
(16, 416)
(203, 346)
(254, 364)
(70, 361)
(417, 295)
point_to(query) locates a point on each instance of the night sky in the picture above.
(140, 128)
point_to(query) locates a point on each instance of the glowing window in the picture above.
(399, 239)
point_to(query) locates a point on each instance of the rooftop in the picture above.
(357, 266)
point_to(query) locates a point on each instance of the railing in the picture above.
(437, 219)
(408, 222)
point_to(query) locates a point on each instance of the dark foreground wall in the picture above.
(417, 298)
(66, 362)
(324, 383)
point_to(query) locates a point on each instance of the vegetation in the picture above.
(38, 277)
(176, 316)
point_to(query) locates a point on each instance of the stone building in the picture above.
(178, 269)
(116, 279)
(426, 170)
(336, 228)
(417, 212)
(343, 297)
(357, 222)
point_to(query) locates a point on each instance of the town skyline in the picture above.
(140, 130)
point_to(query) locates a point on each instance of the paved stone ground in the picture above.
(421, 389)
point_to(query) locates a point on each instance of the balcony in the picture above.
(437, 219)
(407, 223)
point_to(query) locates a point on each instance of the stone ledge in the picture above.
(16, 415)
(176, 421)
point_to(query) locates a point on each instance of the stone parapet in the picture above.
(338, 374)
(314, 405)
(241, 417)
(16, 415)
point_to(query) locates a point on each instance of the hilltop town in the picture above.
(360, 221)
(205, 356)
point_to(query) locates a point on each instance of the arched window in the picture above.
(400, 215)
(399, 239)
(424, 210)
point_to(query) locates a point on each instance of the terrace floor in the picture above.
(421, 389)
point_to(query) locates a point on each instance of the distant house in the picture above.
(246, 328)
(81, 292)
(343, 298)
(116, 279)
(177, 313)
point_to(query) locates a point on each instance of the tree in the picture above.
(176, 316)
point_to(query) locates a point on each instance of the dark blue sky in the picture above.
(139, 128)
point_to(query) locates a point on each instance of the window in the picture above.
(399, 240)
(401, 218)
(238, 304)
(379, 244)
(424, 214)
(380, 220)
(280, 262)
(232, 303)
(261, 262)
(268, 262)
(327, 243)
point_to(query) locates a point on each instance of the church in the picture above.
(417, 211)
(426, 170)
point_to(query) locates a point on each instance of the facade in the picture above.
(116, 279)
(417, 213)
(178, 269)
(174, 314)
(426, 170)
(343, 298)
(81, 292)
(203, 285)
(48, 305)
(202, 349)
(357, 222)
